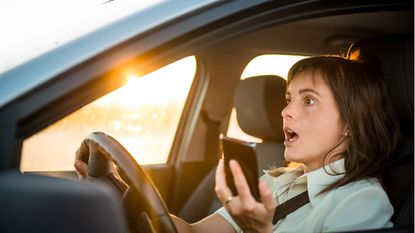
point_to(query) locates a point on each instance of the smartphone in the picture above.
(244, 153)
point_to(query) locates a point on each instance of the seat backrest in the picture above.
(258, 102)
(395, 55)
(34, 203)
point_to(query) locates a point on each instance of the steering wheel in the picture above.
(143, 204)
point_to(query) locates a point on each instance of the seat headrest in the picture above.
(395, 55)
(258, 102)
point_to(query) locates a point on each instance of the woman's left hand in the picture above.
(250, 215)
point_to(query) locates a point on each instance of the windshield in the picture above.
(31, 28)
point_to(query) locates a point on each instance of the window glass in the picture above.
(50, 23)
(274, 64)
(142, 115)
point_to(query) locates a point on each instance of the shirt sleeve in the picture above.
(224, 213)
(368, 208)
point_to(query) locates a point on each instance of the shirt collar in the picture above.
(319, 179)
(282, 179)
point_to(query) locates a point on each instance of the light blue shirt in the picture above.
(356, 206)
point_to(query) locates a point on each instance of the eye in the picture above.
(309, 101)
(288, 100)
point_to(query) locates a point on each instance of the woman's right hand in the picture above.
(250, 215)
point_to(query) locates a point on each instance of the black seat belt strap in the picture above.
(290, 206)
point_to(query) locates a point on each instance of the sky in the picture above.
(29, 28)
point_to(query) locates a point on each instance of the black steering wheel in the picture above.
(143, 204)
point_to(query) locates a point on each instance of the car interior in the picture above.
(397, 59)
(257, 101)
(56, 201)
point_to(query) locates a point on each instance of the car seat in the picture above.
(258, 102)
(36, 203)
(395, 54)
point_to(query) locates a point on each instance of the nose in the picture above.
(288, 112)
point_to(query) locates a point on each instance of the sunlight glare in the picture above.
(157, 88)
(142, 115)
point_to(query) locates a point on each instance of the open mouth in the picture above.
(290, 135)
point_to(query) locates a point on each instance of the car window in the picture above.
(142, 115)
(58, 23)
(276, 64)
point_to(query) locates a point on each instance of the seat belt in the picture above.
(290, 206)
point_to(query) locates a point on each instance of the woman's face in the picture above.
(311, 121)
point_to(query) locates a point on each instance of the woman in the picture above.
(339, 124)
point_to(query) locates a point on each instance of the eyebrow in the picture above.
(304, 91)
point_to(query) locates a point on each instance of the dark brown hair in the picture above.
(363, 102)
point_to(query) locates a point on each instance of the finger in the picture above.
(222, 190)
(82, 153)
(240, 181)
(81, 167)
(80, 163)
(266, 196)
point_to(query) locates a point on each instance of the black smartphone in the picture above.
(244, 153)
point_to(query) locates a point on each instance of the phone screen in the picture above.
(244, 153)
